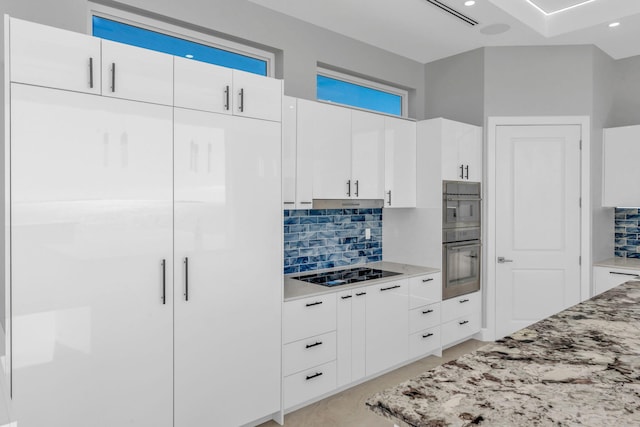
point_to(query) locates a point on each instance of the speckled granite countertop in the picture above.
(296, 289)
(580, 367)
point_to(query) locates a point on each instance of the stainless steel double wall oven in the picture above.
(461, 234)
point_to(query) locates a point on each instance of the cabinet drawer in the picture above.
(308, 384)
(310, 352)
(308, 317)
(424, 318)
(425, 290)
(605, 278)
(461, 306)
(424, 342)
(460, 328)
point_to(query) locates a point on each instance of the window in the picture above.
(355, 92)
(176, 41)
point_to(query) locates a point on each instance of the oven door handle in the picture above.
(458, 245)
(463, 198)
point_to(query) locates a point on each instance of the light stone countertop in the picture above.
(297, 289)
(580, 367)
(619, 262)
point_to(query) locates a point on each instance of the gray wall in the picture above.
(299, 46)
(626, 105)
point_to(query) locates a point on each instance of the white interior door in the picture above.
(91, 222)
(537, 223)
(227, 333)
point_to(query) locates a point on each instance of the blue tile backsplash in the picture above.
(325, 238)
(627, 243)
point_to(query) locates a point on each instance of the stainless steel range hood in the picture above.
(348, 203)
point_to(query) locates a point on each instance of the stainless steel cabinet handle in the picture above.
(502, 260)
(427, 280)
(317, 343)
(113, 77)
(389, 193)
(226, 98)
(310, 377)
(427, 335)
(467, 169)
(349, 188)
(427, 312)
(91, 73)
(186, 279)
(311, 304)
(241, 108)
(357, 188)
(389, 288)
(164, 281)
(624, 274)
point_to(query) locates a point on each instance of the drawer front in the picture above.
(308, 384)
(309, 352)
(605, 278)
(425, 290)
(463, 327)
(461, 306)
(424, 318)
(424, 342)
(308, 317)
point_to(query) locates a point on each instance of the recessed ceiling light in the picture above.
(189, 56)
(614, 24)
(469, 3)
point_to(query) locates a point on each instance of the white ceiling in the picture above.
(423, 32)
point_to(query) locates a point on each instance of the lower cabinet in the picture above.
(461, 317)
(351, 329)
(605, 278)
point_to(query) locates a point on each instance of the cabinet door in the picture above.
(470, 151)
(91, 223)
(289, 128)
(344, 337)
(452, 168)
(605, 278)
(400, 163)
(358, 334)
(226, 313)
(131, 72)
(621, 149)
(47, 56)
(202, 86)
(324, 141)
(387, 337)
(367, 155)
(256, 96)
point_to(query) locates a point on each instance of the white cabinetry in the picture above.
(351, 329)
(219, 159)
(387, 325)
(47, 56)
(605, 278)
(257, 96)
(461, 317)
(400, 163)
(460, 147)
(621, 149)
(367, 155)
(202, 86)
(297, 177)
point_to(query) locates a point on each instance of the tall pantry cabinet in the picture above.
(133, 225)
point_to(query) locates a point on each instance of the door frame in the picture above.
(488, 332)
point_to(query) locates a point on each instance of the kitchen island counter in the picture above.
(578, 367)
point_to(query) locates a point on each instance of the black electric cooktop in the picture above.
(347, 276)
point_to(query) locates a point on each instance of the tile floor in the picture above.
(347, 409)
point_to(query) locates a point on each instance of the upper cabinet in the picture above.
(50, 57)
(400, 163)
(256, 96)
(461, 151)
(130, 72)
(367, 155)
(621, 149)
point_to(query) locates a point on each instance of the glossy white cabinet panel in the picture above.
(134, 73)
(400, 163)
(202, 86)
(367, 155)
(359, 334)
(425, 290)
(256, 96)
(47, 56)
(621, 149)
(225, 313)
(309, 352)
(289, 139)
(461, 146)
(424, 342)
(470, 151)
(461, 328)
(308, 384)
(605, 278)
(91, 224)
(387, 325)
(307, 317)
(424, 317)
(324, 146)
(461, 306)
(344, 337)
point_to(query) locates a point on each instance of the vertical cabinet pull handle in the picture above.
(186, 279)
(461, 171)
(241, 100)
(389, 193)
(357, 188)
(90, 73)
(113, 77)
(164, 281)
(467, 169)
(349, 188)
(226, 98)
